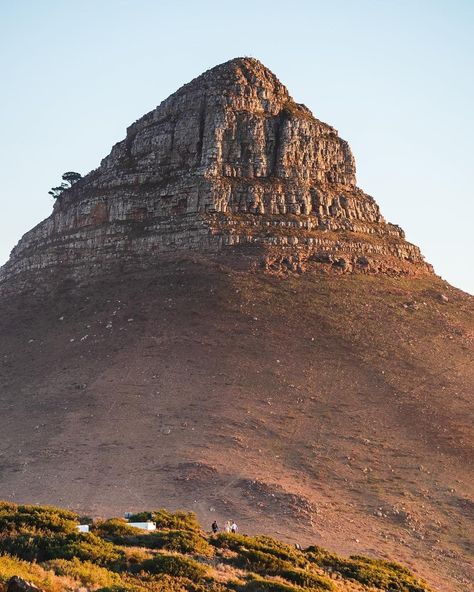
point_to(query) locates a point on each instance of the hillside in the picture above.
(42, 546)
(321, 408)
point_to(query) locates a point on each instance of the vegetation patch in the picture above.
(380, 574)
(32, 572)
(169, 520)
(176, 565)
(17, 519)
(265, 544)
(259, 584)
(42, 546)
(87, 573)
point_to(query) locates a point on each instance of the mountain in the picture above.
(218, 319)
(229, 159)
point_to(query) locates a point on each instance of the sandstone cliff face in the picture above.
(228, 160)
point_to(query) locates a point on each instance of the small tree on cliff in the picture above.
(69, 178)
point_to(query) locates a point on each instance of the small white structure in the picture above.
(143, 525)
(83, 527)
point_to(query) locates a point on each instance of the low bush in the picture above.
(255, 560)
(257, 584)
(115, 528)
(169, 520)
(177, 566)
(146, 582)
(134, 557)
(378, 573)
(280, 550)
(234, 542)
(37, 575)
(307, 579)
(18, 519)
(90, 547)
(182, 541)
(264, 544)
(86, 547)
(86, 572)
(267, 564)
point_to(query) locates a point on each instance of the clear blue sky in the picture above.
(395, 77)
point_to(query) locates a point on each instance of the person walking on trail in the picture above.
(228, 526)
(214, 527)
(234, 528)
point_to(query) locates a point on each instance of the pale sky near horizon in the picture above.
(395, 77)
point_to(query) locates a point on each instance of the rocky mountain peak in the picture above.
(227, 161)
(244, 77)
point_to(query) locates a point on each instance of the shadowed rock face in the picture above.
(229, 159)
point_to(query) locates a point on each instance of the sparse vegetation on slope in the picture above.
(42, 545)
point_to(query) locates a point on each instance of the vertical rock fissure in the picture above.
(276, 148)
(202, 125)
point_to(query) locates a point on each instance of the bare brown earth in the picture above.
(319, 408)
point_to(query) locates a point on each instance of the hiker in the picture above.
(214, 527)
(228, 526)
(233, 527)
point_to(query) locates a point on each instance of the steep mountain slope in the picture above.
(300, 370)
(328, 409)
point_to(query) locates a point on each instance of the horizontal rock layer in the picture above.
(229, 159)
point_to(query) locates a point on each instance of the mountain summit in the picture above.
(228, 160)
(218, 319)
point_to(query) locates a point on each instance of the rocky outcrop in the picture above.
(17, 584)
(228, 160)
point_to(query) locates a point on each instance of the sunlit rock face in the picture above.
(228, 161)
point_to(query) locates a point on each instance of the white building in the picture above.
(143, 525)
(83, 527)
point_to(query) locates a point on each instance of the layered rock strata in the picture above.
(229, 160)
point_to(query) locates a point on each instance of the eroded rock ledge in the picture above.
(228, 160)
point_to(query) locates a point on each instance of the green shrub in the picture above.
(254, 560)
(378, 573)
(15, 519)
(234, 542)
(257, 584)
(264, 544)
(157, 583)
(169, 520)
(86, 547)
(86, 572)
(12, 566)
(90, 547)
(134, 557)
(306, 579)
(31, 547)
(265, 563)
(182, 541)
(114, 528)
(176, 565)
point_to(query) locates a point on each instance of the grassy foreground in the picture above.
(41, 544)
